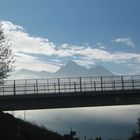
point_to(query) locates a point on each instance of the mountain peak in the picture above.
(71, 69)
(71, 63)
(99, 67)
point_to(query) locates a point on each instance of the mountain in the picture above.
(26, 72)
(29, 74)
(45, 74)
(99, 71)
(71, 69)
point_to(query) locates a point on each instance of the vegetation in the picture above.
(98, 138)
(6, 57)
(136, 134)
(17, 129)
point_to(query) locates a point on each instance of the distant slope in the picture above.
(100, 71)
(71, 69)
(16, 129)
(29, 74)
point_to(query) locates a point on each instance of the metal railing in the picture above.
(69, 85)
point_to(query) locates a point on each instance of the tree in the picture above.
(136, 134)
(98, 138)
(6, 56)
(138, 123)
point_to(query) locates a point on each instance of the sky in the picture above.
(46, 34)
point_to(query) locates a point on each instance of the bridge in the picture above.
(69, 92)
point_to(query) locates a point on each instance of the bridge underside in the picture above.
(69, 100)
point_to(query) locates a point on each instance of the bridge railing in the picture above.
(69, 85)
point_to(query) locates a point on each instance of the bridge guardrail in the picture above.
(69, 85)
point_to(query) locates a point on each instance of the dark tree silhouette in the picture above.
(6, 56)
(136, 134)
(138, 123)
(98, 138)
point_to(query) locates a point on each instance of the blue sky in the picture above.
(90, 32)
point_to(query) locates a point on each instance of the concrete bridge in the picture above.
(69, 92)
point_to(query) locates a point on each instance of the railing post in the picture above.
(36, 86)
(64, 87)
(114, 85)
(91, 83)
(70, 84)
(80, 85)
(44, 88)
(58, 85)
(25, 88)
(55, 87)
(122, 81)
(94, 85)
(48, 85)
(14, 87)
(133, 86)
(3, 89)
(75, 87)
(101, 83)
(34, 89)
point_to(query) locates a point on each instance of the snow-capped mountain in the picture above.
(71, 69)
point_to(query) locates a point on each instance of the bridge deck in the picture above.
(69, 92)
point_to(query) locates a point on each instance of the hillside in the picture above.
(16, 129)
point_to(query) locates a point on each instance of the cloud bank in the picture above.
(29, 50)
(125, 41)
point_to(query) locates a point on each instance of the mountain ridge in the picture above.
(71, 69)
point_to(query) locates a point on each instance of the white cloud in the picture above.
(125, 41)
(23, 42)
(10, 26)
(84, 61)
(33, 63)
(24, 45)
